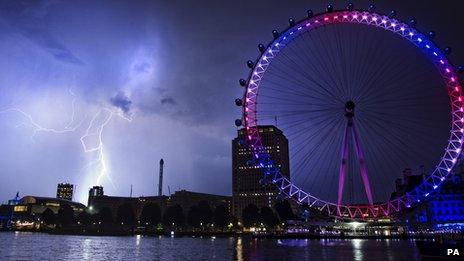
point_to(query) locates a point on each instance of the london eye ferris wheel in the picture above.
(360, 96)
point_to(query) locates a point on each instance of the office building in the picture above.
(65, 191)
(246, 186)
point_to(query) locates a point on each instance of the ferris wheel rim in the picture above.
(408, 32)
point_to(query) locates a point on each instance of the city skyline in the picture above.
(144, 103)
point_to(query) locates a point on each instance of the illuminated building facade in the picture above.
(65, 191)
(445, 210)
(247, 187)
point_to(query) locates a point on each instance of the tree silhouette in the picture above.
(151, 214)
(65, 215)
(48, 217)
(221, 216)
(173, 215)
(284, 210)
(267, 217)
(126, 214)
(250, 215)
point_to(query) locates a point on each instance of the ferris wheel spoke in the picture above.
(396, 138)
(312, 80)
(392, 87)
(327, 46)
(302, 54)
(326, 171)
(365, 59)
(377, 47)
(321, 62)
(387, 68)
(283, 88)
(307, 158)
(381, 148)
(307, 134)
(327, 96)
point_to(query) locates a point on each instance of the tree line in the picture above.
(200, 216)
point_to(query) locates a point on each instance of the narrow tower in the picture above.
(160, 182)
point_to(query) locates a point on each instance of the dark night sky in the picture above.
(156, 78)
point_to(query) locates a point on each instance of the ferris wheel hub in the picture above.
(349, 109)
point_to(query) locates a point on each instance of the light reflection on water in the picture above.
(37, 246)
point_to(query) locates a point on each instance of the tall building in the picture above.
(246, 177)
(65, 191)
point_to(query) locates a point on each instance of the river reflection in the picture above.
(37, 246)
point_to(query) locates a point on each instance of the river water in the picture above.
(40, 246)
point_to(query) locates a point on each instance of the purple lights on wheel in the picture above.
(421, 41)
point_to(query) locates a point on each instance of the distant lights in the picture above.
(393, 24)
(345, 16)
(355, 16)
(442, 178)
(374, 19)
(402, 29)
(448, 170)
(426, 194)
(428, 46)
(435, 53)
(458, 149)
(447, 70)
(364, 17)
(419, 39)
(453, 79)
(411, 34)
(435, 187)
(442, 62)
(384, 21)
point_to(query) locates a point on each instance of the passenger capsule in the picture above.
(250, 64)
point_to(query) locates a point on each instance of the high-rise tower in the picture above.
(160, 182)
(247, 187)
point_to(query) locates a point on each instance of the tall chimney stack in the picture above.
(160, 182)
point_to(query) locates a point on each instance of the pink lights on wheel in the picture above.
(397, 27)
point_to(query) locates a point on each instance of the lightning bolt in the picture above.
(93, 131)
(39, 128)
